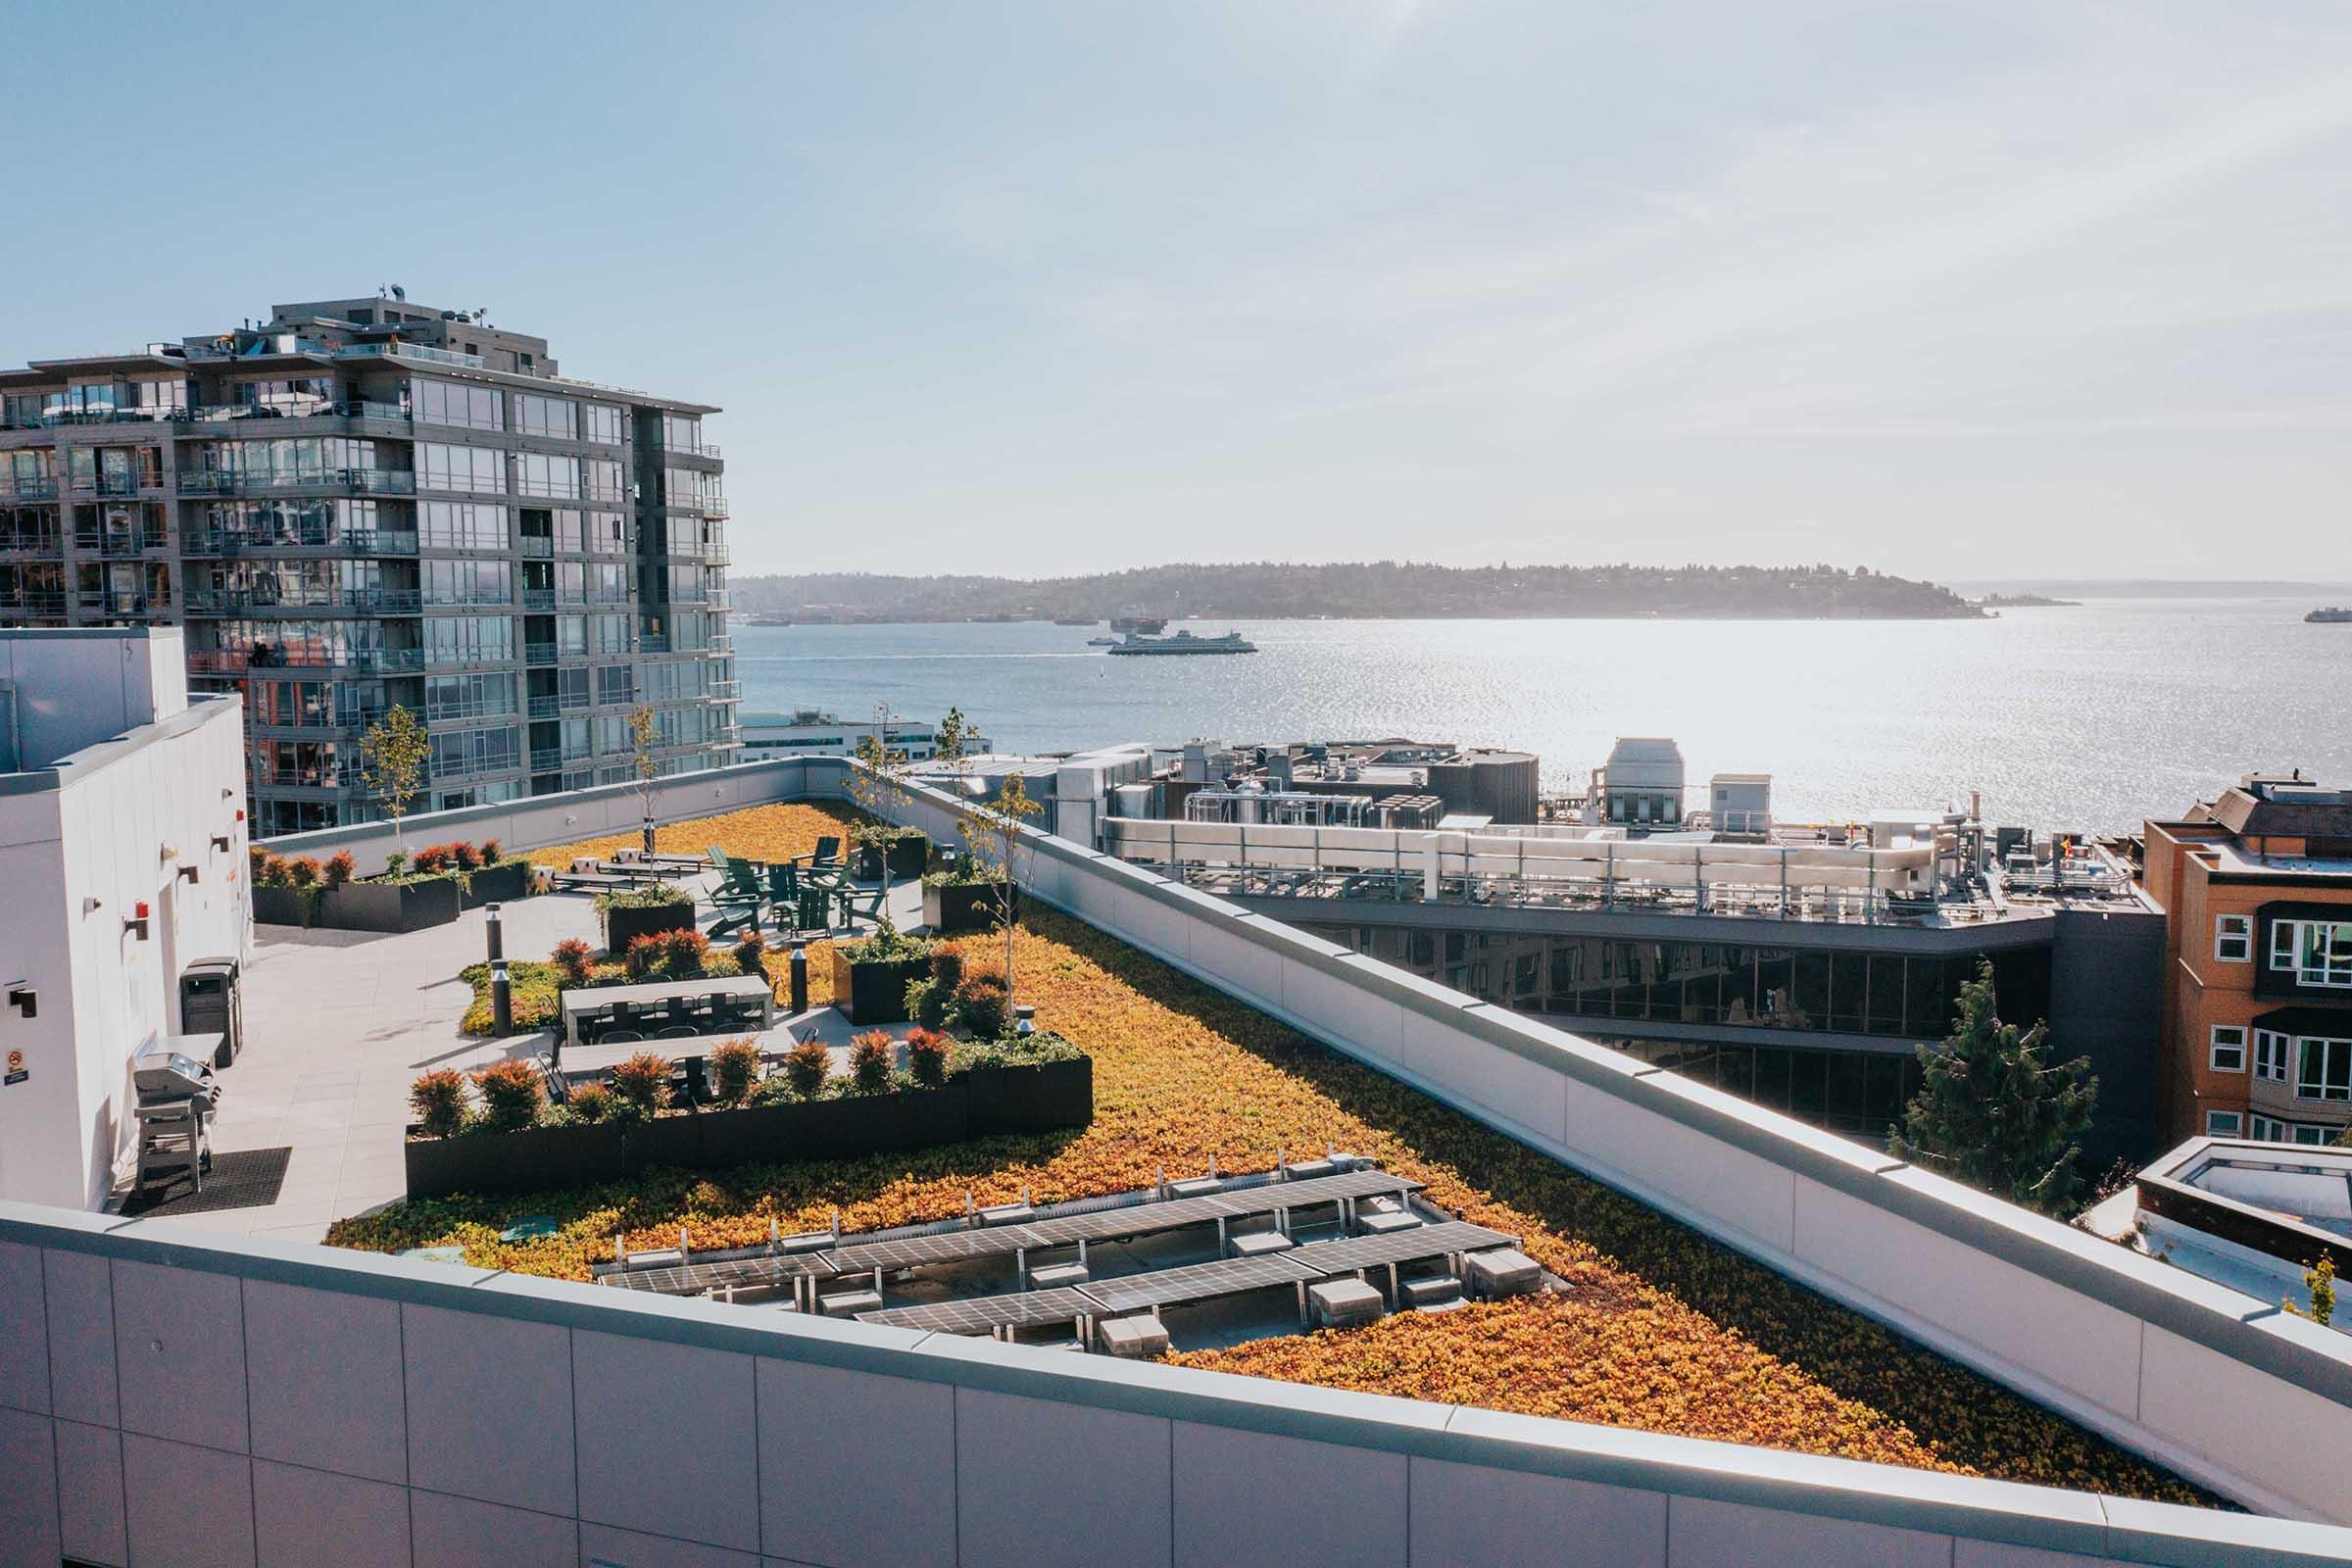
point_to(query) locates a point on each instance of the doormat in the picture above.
(247, 1179)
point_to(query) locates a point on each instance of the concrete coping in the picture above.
(2005, 1512)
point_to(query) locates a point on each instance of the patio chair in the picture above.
(828, 854)
(676, 1031)
(620, 1037)
(743, 880)
(737, 911)
(856, 902)
(784, 883)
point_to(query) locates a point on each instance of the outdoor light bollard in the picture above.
(836, 1227)
(799, 978)
(502, 993)
(1025, 1019)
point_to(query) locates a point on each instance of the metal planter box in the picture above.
(875, 993)
(907, 857)
(390, 906)
(955, 907)
(1031, 1099)
(1012, 1100)
(502, 883)
(625, 925)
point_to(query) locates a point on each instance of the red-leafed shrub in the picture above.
(643, 1082)
(807, 1065)
(571, 958)
(734, 1068)
(872, 1057)
(512, 1094)
(928, 1056)
(645, 951)
(438, 1100)
(340, 868)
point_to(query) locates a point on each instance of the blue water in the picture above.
(2092, 717)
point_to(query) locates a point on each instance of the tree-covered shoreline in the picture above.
(1364, 589)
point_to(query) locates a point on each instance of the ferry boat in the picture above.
(1101, 642)
(2332, 616)
(1184, 641)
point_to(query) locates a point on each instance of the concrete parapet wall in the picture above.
(2237, 1394)
(171, 1395)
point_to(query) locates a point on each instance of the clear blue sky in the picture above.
(1955, 291)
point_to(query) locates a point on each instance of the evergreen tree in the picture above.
(1993, 1112)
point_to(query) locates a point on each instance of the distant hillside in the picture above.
(1369, 590)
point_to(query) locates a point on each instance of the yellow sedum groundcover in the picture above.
(1661, 1329)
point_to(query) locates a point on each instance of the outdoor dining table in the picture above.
(737, 989)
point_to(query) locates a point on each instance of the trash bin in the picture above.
(210, 1004)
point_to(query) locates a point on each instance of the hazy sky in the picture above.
(1950, 290)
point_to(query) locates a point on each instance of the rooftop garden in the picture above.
(1661, 1329)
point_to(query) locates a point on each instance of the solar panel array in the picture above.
(1002, 1240)
(1397, 1247)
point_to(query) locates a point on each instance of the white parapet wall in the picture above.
(2235, 1394)
(170, 1394)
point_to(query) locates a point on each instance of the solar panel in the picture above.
(946, 1246)
(1135, 1219)
(696, 1278)
(1397, 1247)
(1308, 1194)
(1196, 1282)
(980, 1315)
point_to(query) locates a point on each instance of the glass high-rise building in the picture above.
(368, 502)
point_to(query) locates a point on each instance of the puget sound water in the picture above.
(2090, 717)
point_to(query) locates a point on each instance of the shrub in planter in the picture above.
(685, 955)
(983, 1007)
(438, 1100)
(512, 1094)
(734, 1068)
(589, 1103)
(928, 1057)
(571, 958)
(339, 868)
(947, 967)
(628, 914)
(273, 873)
(255, 859)
(465, 856)
(433, 857)
(643, 1082)
(927, 1002)
(871, 1062)
(806, 1068)
(395, 863)
(302, 872)
(491, 853)
(751, 954)
(644, 950)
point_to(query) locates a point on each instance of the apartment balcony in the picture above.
(304, 408)
(538, 597)
(32, 544)
(267, 602)
(357, 661)
(537, 547)
(726, 691)
(472, 767)
(39, 489)
(115, 485)
(537, 655)
(366, 481)
(52, 418)
(108, 602)
(654, 642)
(408, 351)
(118, 542)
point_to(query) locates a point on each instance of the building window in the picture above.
(2270, 1055)
(2323, 1069)
(2222, 1124)
(2229, 1048)
(2317, 953)
(2234, 938)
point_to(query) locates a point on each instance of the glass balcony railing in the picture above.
(42, 488)
(538, 654)
(537, 547)
(408, 351)
(369, 481)
(32, 544)
(538, 599)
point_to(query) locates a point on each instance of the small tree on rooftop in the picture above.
(996, 837)
(878, 785)
(643, 727)
(393, 754)
(1993, 1112)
